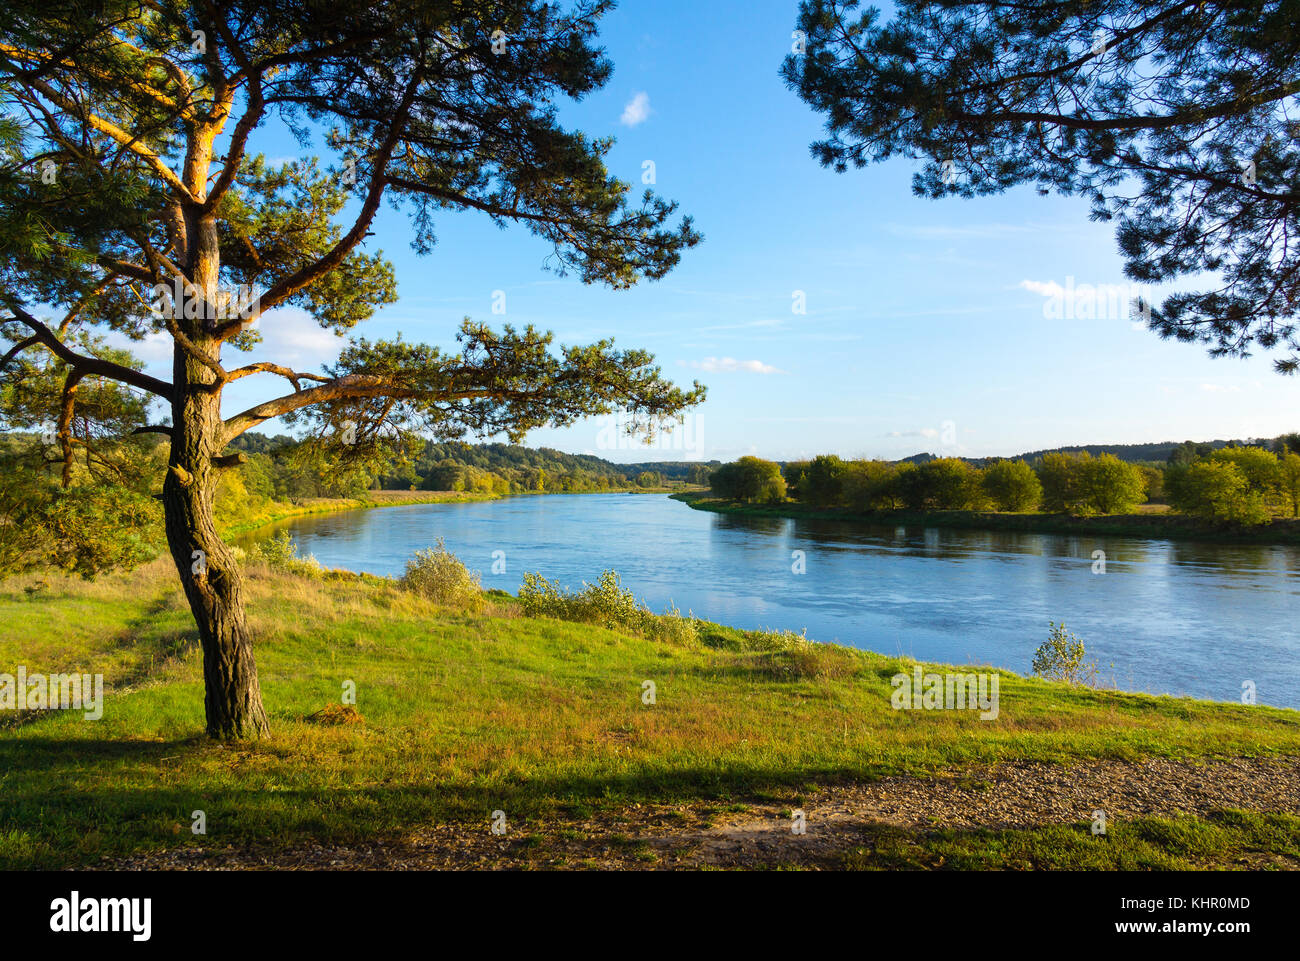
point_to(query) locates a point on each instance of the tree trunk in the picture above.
(233, 698)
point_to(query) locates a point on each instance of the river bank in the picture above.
(1165, 619)
(1165, 526)
(459, 713)
(280, 511)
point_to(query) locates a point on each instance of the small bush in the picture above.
(1061, 658)
(607, 603)
(280, 553)
(768, 641)
(439, 575)
(815, 661)
(671, 628)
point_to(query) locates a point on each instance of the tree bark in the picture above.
(209, 574)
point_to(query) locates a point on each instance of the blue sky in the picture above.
(927, 324)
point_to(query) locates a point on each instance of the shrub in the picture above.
(942, 483)
(439, 575)
(823, 482)
(280, 553)
(1061, 658)
(1056, 474)
(671, 628)
(1153, 478)
(776, 640)
(871, 485)
(608, 604)
(816, 661)
(1108, 485)
(786, 655)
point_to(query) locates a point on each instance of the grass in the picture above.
(1150, 521)
(1146, 844)
(460, 714)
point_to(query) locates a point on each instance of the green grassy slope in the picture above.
(468, 713)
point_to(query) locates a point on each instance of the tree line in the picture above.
(1246, 484)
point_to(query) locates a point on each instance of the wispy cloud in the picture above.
(731, 364)
(971, 231)
(745, 326)
(637, 110)
(1048, 288)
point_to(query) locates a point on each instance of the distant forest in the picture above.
(1164, 452)
(289, 470)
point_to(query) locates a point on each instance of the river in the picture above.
(1173, 617)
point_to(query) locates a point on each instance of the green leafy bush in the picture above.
(440, 575)
(750, 479)
(1062, 658)
(608, 604)
(776, 641)
(1012, 485)
(280, 553)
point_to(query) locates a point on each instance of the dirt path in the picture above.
(699, 834)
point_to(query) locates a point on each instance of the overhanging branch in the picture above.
(92, 366)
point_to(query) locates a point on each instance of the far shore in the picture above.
(280, 511)
(1152, 524)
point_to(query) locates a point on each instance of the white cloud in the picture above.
(1049, 289)
(730, 364)
(290, 336)
(637, 110)
(923, 432)
(154, 349)
(1077, 301)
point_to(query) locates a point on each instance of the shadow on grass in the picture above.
(66, 803)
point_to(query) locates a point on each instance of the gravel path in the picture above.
(1012, 795)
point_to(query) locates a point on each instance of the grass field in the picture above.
(460, 715)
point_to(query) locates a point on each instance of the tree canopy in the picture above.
(1175, 118)
(133, 199)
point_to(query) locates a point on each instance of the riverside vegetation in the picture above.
(104, 510)
(470, 701)
(1235, 489)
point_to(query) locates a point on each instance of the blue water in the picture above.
(1166, 617)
